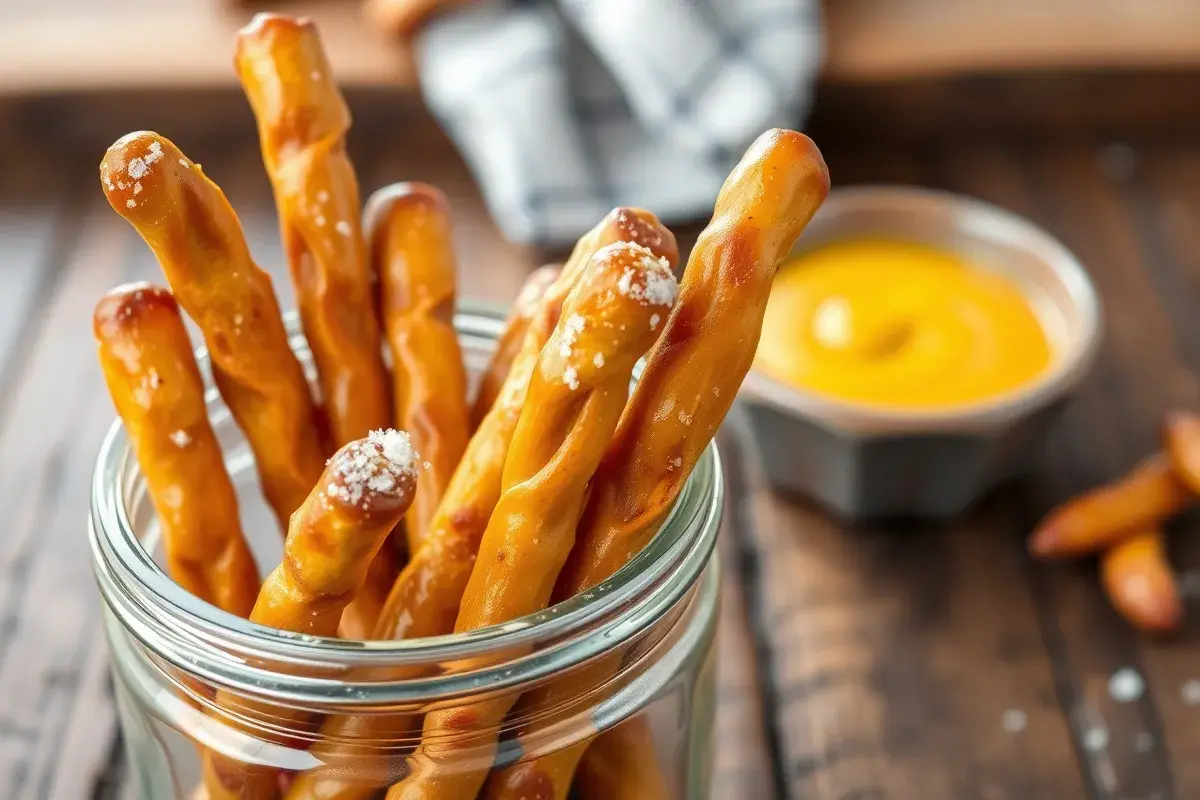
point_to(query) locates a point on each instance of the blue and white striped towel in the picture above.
(565, 109)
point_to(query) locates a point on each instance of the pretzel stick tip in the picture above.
(1140, 583)
(156, 386)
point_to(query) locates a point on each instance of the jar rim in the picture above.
(226, 650)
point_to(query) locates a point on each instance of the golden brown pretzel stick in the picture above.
(1146, 496)
(198, 241)
(362, 494)
(1181, 440)
(425, 599)
(1140, 583)
(575, 399)
(302, 123)
(695, 371)
(408, 236)
(529, 299)
(156, 386)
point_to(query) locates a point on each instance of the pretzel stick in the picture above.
(1140, 583)
(575, 398)
(694, 371)
(1181, 440)
(1146, 496)
(621, 764)
(426, 597)
(302, 124)
(334, 535)
(198, 241)
(408, 238)
(156, 386)
(529, 299)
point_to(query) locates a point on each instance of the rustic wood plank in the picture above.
(745, 764)
(187, 43)
(1112, 423)
(895, 673)
(1161, 192)
(51, 429)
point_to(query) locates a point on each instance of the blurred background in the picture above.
(914, 660)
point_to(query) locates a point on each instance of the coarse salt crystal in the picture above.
(1126, 685)
(343, 227)
(654, 320)
(572, 327)
(598, 360)
(183, 162)
(137, 168)
(362, 470)
(180, 438)
(571, 378)
(685, 418)
(131, 203)
(156, 152)
(137, 188)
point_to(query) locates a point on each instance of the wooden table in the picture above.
(911, 662)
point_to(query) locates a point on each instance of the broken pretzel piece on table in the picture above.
(1122, 523)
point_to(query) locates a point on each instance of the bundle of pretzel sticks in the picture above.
(409, 510)
(1123, 524)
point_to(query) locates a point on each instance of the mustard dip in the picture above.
(901, 325)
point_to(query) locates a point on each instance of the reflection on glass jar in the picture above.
(622, 675)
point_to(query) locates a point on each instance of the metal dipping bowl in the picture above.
(865, 462)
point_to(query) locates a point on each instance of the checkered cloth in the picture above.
(566, 109)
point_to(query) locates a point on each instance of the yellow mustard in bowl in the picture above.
(899, 324)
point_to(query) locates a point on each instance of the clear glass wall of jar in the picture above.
(171, 652)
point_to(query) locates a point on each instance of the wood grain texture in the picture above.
(69, 45)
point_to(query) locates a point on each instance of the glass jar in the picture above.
(171, 652)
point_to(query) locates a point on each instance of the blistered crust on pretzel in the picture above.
(575, 398)
(187, 222)
(528, 301)
(1148, 495)
(409, 235)
(302, 121)
(362, 494)
(156, 386)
